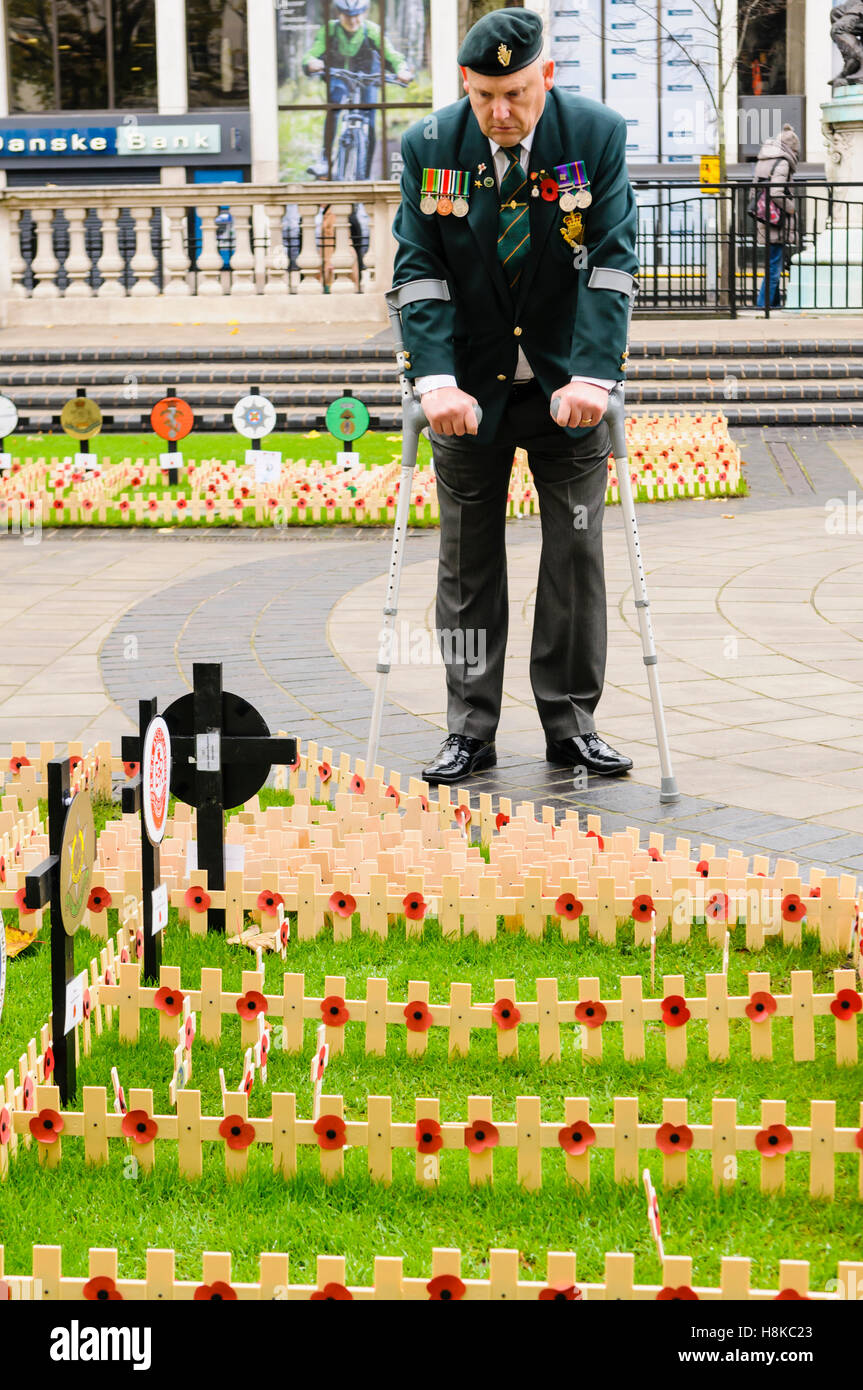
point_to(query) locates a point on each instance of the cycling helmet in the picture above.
(352, 7)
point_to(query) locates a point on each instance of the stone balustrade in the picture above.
(197, 252)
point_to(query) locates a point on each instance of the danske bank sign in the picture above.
(112, 140)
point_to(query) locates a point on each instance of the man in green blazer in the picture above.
(518, 197)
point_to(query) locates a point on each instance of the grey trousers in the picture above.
(568, 649)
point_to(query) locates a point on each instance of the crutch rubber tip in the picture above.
(668, 789)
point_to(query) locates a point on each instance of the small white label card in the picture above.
(267, 464)
(75, 1000)
(160, 908)
(5, 459)
(167, 461)
(208, 751)
(348, 459)
(86, 461)
(235, 858)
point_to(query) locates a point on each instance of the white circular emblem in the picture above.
(8, 416)
(156, 775)
(254, 416)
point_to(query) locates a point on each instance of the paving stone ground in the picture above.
(756, 606)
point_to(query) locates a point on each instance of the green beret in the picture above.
(502, 42)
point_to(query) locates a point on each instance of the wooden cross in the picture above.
(42, 886)
(151, 878)
(222, 754)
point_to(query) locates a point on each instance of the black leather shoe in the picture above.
(590, 751)
(459, 756)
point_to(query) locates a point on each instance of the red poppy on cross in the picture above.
(653, 1212)
(318, 1067)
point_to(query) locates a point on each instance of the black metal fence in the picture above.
(701, 250)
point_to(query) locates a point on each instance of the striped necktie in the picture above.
(513, 239)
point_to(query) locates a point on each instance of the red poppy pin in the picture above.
(102, 1289)
(773, 1141)
(787, 1295)
(5, 1127)
(269, 902)
(702, 868)
(655, 855)
(22, 907)
(417, 1016)
(196, 899)
(330, 1130)
(331, 1293)
(357, 784)
(793, 910)
(29, 1091)
(237, 1132)
(642, 907)
(682, 1294)
(674, 1139)
(325, 772)
(591, 1012)
(674, 1011)
(481, 1135)
(47, 1126)
(169, 1001)
(99, 899)
(568, 906)
(761, 1005)
(333, 1011)
(505, 1014)
(561, 1293)
(445, 1287)
(428, 1136)
(500, 820)
(594, 835)
(846, 1004)
(215, 1293)
(394, 796)
(576, 1139)
(16, 763)
(415, 907)
(342, 904)
(250, 1004)
(717, 907)
(139, 1126)
(48, 1062)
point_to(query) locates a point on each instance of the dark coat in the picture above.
(566, 329)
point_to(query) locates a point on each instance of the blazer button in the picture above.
(517, 332)
(501, 376)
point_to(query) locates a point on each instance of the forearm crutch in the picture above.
(616, 417)
(413, 422)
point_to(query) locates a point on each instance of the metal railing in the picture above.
(706, 251)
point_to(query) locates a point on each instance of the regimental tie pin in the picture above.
(445, 191)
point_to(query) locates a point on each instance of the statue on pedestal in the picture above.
(846, 31)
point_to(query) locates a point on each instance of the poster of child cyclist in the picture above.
(350, 58)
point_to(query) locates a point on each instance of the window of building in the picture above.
(218, 53)
(761, 69)
(81, 55)
(352, 77)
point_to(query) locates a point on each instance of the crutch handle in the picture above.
(477, 410)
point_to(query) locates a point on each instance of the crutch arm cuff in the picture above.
(412, 290)
(606, 277)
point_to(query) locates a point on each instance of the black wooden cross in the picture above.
(221, 754)
(41, 888)
(132, 799)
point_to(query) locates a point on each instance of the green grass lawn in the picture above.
(82, 1207)
(373, 448)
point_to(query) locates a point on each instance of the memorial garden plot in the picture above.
(506, 1021)
(670, 457)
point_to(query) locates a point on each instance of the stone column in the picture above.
(821, 62)
(263, 91)
(171, 70)
(446, 78)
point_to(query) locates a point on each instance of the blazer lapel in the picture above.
(545, 152)
(484, 205)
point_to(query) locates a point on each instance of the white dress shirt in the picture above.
(523, 370)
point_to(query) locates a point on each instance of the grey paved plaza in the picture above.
(756, 606)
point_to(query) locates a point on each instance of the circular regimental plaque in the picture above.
(156, 779)
(8, 416)
(77, 856)
(172, 418)
(254, 416)
(81, 417)
(347, 418)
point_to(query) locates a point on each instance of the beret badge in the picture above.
(504, 55)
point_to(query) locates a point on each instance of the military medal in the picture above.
(488, 181)
(445, 191)
(574, 186)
